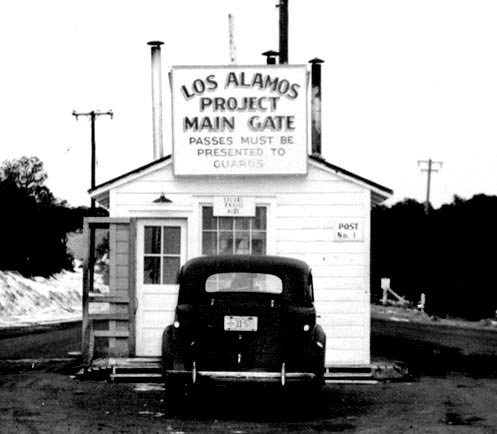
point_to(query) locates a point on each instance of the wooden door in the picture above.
(161, 248)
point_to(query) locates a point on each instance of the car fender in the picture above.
(168, 349)
(318, 335)
(318, 350)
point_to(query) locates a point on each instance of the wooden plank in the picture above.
(333, 259)
(123, 235)
(132, 286)
(111, 333)
(338, 270)
(108, 316)
(323, 211)
(339, 284)
(108, 299)
(122, 284)
(326, 247)
(343, 356)
(91, 346)
(112, 259)
(112, 329)
(122, 259)
(339, 295)
(352, 307)
(335, 198)
(87, 286)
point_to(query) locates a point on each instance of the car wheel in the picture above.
(175, 399)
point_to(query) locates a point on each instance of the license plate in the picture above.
(240, 323)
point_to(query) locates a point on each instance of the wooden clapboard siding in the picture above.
(333, 284)
(340, 269)
(302, 211)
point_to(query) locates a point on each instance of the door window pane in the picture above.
(162, 254)
(152, 239)
(170, 270)
(151, 269)
(172, 240)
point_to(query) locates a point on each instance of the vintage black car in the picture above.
(244, 318)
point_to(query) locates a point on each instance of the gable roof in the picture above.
(101, 192)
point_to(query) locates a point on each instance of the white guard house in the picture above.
(241, 179)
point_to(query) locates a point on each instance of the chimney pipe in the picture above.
(270, 57)
(157, 98)
(283, 5)
(316, 106)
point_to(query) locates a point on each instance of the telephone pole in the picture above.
(93, 116)
(429, 166)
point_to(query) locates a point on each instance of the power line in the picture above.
(93, 116)
(429, 166)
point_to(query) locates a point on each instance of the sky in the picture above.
(403, 81)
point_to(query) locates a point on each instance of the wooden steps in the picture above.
(139, 370)
(350, 374)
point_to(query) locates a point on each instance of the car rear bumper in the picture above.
(281, 377)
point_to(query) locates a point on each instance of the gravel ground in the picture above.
(47, 400)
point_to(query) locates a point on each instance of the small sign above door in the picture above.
(234, 206)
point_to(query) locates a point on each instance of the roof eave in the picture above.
(379, 193)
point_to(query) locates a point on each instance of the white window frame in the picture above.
(218, 230)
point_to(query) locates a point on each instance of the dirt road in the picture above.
(436, 349)
(49, 401)
(49, 341)
(450, 392)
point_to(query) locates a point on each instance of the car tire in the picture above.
(175, 399)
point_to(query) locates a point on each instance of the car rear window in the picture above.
(244, 282)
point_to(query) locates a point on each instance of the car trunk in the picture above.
(239, 333)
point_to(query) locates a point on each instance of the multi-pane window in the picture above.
(162, 248)
(234, 235)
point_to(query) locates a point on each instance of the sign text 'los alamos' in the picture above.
(240, 120)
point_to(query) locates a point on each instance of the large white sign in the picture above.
(239, 120)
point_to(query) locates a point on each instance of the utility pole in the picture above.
(283, 5)
(232, 39)
(429, 166)
(93, 116)
(89, 263)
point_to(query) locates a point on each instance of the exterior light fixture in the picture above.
(162, 199)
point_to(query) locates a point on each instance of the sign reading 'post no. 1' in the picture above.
(239, 120)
